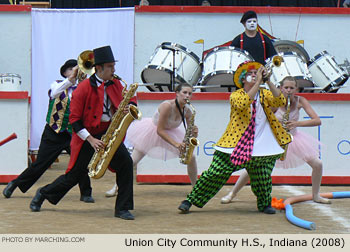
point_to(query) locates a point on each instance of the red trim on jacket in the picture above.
(87, 106)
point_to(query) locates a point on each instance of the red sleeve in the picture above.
(77, 106)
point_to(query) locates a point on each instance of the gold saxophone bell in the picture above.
(86, 64)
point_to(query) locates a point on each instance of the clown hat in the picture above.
(242, 69)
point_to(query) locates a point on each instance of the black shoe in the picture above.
(37, 201)
(87, 199)
(269, 210)
(124, 214)
(185, 206)
(11, 186)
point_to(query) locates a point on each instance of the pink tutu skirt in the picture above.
(302, 149)
(142, 135)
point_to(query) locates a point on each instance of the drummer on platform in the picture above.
(258, 45)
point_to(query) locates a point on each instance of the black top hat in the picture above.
(103, 55)
(69, 63)
(247, 15)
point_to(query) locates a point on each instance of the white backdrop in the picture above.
(61, 34)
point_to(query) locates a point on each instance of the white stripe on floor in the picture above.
(325, 209)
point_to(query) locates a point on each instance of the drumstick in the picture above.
(8, 139)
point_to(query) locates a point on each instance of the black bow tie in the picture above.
(94, 81)
(109, 82)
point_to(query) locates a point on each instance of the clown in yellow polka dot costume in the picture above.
(267, 139)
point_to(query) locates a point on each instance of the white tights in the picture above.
(191, 167)
(192, 172)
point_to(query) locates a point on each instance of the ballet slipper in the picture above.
(322, 200)
(112, 192)
(228, 198)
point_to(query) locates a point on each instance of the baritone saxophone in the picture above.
(190, 141)
(114, 134)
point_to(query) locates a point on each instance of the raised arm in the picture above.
(57, 88)
(314, 118)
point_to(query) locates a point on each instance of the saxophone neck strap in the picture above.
(182, 112)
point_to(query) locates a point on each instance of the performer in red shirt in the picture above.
(92, 107)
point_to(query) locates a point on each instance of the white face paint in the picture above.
(249, 78)
(251, 24)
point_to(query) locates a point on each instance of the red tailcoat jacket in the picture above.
(86, 110)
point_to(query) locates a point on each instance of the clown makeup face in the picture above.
(251, 24)
(251, 75)
(249, 80)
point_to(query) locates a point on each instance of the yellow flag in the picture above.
(11, 2)
(199, 41)
(300, 41)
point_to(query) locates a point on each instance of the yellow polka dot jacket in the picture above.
(240, 116)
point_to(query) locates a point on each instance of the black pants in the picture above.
(121, 163)
(51, 146)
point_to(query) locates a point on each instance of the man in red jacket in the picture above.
(92, 107)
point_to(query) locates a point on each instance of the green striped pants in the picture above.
(220, 170)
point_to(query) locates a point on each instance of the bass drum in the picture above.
(282, 46)
(160, 67)
(294, 66)
(219, 67)
(326, 73)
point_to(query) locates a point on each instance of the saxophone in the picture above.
(114, 134)
(189, 140)
(285, 119)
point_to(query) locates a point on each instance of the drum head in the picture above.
(219, 66)
(169, 57)
(292, 65)
(326, 72)
(291, 46)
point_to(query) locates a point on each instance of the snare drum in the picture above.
(219, 67)
(326, 73)
(10, 82)
(292, 65)
(160, 67)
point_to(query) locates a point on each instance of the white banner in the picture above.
(62, 34)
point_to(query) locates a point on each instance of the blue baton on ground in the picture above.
(304, 223)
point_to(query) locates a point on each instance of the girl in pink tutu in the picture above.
(162, 136)
(303, 148)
